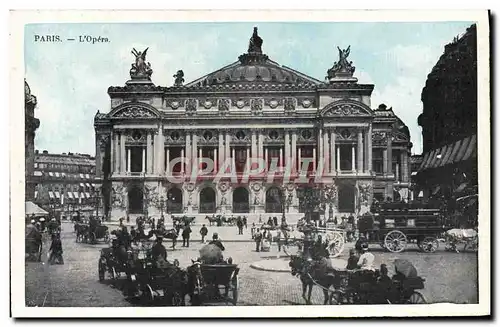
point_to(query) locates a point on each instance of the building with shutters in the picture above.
(65, 183)
(449, 126)
(245, 139)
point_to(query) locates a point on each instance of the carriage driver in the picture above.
(158, 250)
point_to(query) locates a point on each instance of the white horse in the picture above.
(455, 236)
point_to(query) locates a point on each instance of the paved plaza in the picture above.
(449, 276)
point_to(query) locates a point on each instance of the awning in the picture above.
(57, 174)
(87, 176)
(75, 194)
(451, 153)
(88, 185)
(461, 187)
(63, 174)
(51, 195)
(436, 189)
(36, 194)
(70, 195)
(58, 195)
(81, 176)
(37, 173)
(51, 174)
(87, 195)
(82, 184)
(32, 209)
(93, 185)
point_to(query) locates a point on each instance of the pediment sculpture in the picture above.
(140, 69)
(135, 112)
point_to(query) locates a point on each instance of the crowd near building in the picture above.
(448, 168)
(65, 183)
(249, 112)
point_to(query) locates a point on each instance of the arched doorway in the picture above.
(174, 200)
(347, 198)
(241, 200)
(207, 200)
(274, 200)
(135, 199)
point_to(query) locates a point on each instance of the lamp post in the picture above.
(162, 203)
(97, 200)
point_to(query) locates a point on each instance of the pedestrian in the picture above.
(186, 233)
(270, 221)
(245, 222)
(121, 222)
(352, 261)
(153, 223)
(158, 250)
(203, 233)
(258, 240)
(239, 223)
(275, 220)
(252, 231)
(56, 250)
(278, 239)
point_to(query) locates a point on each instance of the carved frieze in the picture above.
(364, 191)
(223, 105)
(118, 197)
(240, 103)
(379, 137)
(289, 104)
(116, 102)
(103, 140)
(345, 134)
(191, 105)
(135, 112)
(174, 136)
(174, 104)
(345, 110)
(256, 106)
(306, 103)
(273, 102)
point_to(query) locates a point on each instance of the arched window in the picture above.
(241, 200)
(174, 200)
(207, 200)
(274, 198)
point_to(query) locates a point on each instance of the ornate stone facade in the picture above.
(31, 124)
(258, 124)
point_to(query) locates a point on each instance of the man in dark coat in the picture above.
(186, 233)
(258, 240)
(158, 250)
(56, 250)
(215, 240)
(239, 223)
(203, 233)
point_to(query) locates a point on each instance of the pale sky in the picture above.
(70, 79)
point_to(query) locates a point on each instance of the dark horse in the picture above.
(311, 272)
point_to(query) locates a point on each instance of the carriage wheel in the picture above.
(395, 241)
(39, 254)
(113, 273)
(101, 272)
(148, 293)
(429, 244)
(416, 298)
(234, 287)
(336, 244)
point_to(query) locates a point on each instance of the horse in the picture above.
(455, 236)
(212, 219)
(314, 272)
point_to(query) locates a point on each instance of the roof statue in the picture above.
(179, 78)
(141, 69)
(343, 69)
(255, 43)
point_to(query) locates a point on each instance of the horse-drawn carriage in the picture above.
(395, 225)
(33, 244)
(114, 262)
(456, 236)
(208, 280)
(150, 279)
(375, 287)
(220, 220)
(86, 234)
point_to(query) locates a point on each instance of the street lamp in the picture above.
(162, 203)
(96, 199)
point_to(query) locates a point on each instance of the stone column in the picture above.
(112, 155)
(159, 155)
(299, 163)
(216, 162)
(294, 150)
(254, 145)
(261, 144)
(233, 157)
(326, 153)
(360, 151)
(287, 149)
(265, 159)
(332, 151)
(195, 150)
(338, 158)
(143, 159)
(384, 157)
(353, 158)
(227, 153)
(200, 157)
(167, 153)
(281, 158)
(314, 159)
(129, 157)
(247, 159)
(182, 163)
(187, 153)
(389, 153)
(397, 172)
(369, 148)
(123, 154)
(220, 160)
(320, 143)
(149, 153)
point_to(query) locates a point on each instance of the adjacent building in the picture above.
(449, 126)
(65, 183)
(154, 146)
(30, 126)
